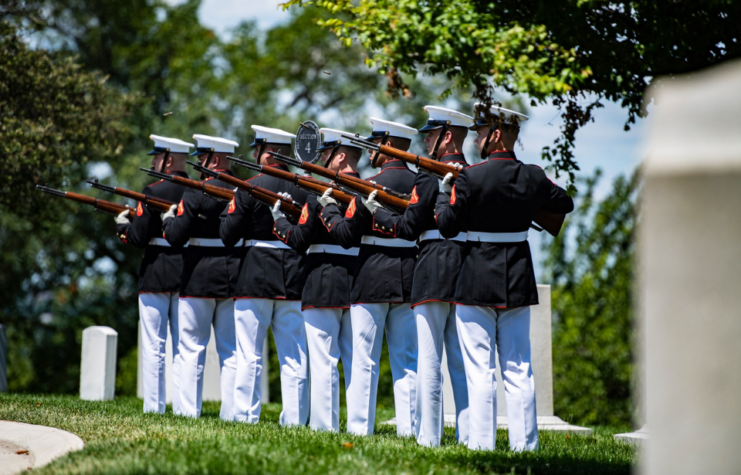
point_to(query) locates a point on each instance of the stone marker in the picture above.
(3, 360)
(98, 369)
(542, 361)
(211, 371)
(690, 274)
(638, 437)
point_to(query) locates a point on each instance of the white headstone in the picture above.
(98, 368)
(690, 274)
(211, 371)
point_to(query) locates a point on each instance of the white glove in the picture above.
(123, 217)
(371, 202)
(326, 198)
(446, 186)
(459, 166)
(275, 210)
(170, 213)
(286, 196)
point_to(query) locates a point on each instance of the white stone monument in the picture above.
(690, 274)
(542, 361)
(211, 371)
(98, 368)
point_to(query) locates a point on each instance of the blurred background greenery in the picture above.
(84, 82)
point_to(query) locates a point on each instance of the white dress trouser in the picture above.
(155, 310)
(436, 326)
(253, 317)
(478, 330)
(368, 322)
(196, 317)
(328, 338)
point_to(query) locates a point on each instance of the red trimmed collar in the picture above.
(393, 163)
(502, 155)
(453, 158)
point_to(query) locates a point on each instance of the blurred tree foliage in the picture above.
(574, 54)
(97, 80)
(590, 269)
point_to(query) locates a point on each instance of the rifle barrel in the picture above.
(52, 191)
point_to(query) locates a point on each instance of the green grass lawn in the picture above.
(120, 439)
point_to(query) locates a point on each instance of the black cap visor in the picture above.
(158, 150)
(201, 151)
(434, 124)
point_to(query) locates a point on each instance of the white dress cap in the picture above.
(206, 144)
(270, 135)
(168, 144)
(382, 128)
(334, 138)
(440, 116)
(507, 116)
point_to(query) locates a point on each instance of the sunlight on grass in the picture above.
(119, 438)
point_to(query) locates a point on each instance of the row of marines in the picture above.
(452, 271)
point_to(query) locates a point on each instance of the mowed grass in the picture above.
(119, 438)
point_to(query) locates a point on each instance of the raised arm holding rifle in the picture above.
(384, 195)
(546, 219)
(268, 197)
(269, 290)
(306, 183)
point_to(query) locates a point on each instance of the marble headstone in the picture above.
(98, 368)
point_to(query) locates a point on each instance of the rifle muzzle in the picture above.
(161, 176)
(51, 191)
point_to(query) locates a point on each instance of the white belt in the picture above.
(496, 237)
(333, 249)
(206, 242)
(435, 234)
(159, 242)
(393, 242)
(267, 244)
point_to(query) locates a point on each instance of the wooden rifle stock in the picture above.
(363, 187)
(266, 196)
(309, 184)
(548, 220)
(107, 207)
(158, 204)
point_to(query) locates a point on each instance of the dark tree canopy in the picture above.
(572, 53)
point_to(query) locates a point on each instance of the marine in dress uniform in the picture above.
(435, 274)
(497, 200)
(268, 292)
(209, 276)
(326, 295)
(381, 292)
(159, 275)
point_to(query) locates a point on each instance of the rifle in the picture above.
(550, 221)
(221, 194)
(266, 196)
(358, 185)
(304, 182)
(107, 207)
(158, 204)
